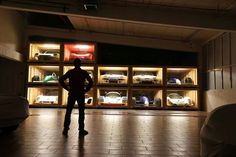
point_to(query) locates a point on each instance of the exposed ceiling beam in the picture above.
(113, 39)
(162, 16)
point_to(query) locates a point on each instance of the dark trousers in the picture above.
(70, 105)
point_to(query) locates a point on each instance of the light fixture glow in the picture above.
(50, 46)
(82, 47)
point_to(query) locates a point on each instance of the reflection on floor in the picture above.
(112, 133)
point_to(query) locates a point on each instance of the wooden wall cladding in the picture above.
(221, 62)
(233, 48)
(226, 49)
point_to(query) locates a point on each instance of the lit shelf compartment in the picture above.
(182, 98)
(112, 97)
(44, 52)
(147, 76)
(83, 51)
(88, 98)
(147, 98)
(182, 77)
(89, 69)
(43, 74)
(43, 96)
(113, 75)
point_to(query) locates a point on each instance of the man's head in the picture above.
(77, 62)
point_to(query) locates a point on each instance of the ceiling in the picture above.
(182, 21)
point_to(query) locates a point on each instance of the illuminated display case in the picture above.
(147, 75)
(182, 98)
(89, 101)
(45, 52)
(43, 74)
(147, 97)
(182, 77)
(85, 52)
(112, 97)
(45, 96)
(113, 75)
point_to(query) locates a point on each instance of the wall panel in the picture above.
(218, 52)
(233, 48)
(226, 49)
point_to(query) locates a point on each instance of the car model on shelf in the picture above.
(113, 77)
(173, 81)
(145, 100)
(146, 77)
(48, 55)
(175, 99)
(46, 99)
(81, 55)
(13, 111)
(113, 98)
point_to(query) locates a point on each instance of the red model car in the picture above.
(83, 56)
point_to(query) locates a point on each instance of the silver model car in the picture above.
(46, 99)
(113, 77)
(13, 111)
(48, 55)
(146, 77)
(113, 98)
(174, 99)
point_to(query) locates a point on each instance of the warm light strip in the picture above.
(146, 69)
(113, 68)
(178, 69)
(50, 46)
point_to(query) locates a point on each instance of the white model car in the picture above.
(174, 99)
(113, 77)
(13, 111)
(48, 55)
(145, 77)
(113, 98)
(43, 99)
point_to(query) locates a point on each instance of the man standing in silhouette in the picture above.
(77, 88)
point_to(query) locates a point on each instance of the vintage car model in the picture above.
(113, 98)
(48, 55)
(51, 78)
(174, 99)
(44, 99)
(144, 100)
(146, 77)
(173, 81)
(113, 77)
(81, 55)
(13, 111)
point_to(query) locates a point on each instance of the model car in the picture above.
(173, 81)
(81, 55)
(113, 98)
(145, 77)
(51, 78)
(44, 99)
(144, 100)
(113, 77)
(48, 55)
(174, 99)
(13, 111)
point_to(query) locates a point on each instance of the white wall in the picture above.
(12, 45)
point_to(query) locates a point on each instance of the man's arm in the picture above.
(62, 80)
(90, 83)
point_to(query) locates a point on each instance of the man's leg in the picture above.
(81, 106)
(69, 108)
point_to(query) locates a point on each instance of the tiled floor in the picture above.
(112, 133)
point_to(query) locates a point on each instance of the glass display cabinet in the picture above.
(147, 75)
(112, 97)
(182, 77)
(83, 51)
(44, 96)
(88, 98)
(44, 52)
(147, 98)
(182, 98)
(43, 74)
(113, 75)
